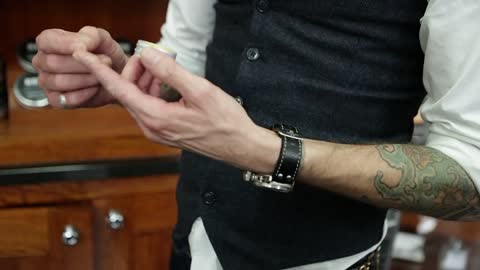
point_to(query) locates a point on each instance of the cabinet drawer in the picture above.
(51, 238)
(24, 232)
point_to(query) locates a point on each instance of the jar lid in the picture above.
(28, 93)
(25, 53)
(142, 44)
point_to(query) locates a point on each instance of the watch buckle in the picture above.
(266, 181)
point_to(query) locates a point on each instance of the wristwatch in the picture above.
(288, 164)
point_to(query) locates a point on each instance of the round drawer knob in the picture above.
(70, 235)
(115, 220)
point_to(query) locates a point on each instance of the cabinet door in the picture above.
(113, 238)
(143, 239)
(46, 238)
(155, 217)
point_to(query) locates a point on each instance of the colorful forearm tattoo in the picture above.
(430, 182)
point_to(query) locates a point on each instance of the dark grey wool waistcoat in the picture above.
(347, 71)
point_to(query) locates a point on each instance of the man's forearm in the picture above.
(407, 177)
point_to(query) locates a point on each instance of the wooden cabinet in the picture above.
(31, 238)
(33, 217)
(87, 229)
(143, 239)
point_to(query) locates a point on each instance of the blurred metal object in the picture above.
(28, 93)
(25, 53)
(70, 235)
(63, 101)
(127, 46)
(142, 44)
(3, 90)
(453, 255)
(393, 223)
(115, 219)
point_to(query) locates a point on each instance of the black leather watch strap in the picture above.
(290, 158)
(288, 164)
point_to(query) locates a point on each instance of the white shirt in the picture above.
(450, 38)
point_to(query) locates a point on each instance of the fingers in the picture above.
(73, 98)
(100, 41)
(156, 88)
(135, 73)
(66, 82)
(145, 82)
(64, 73)
(120, 88)
(164, 68)
(89, 38)
(57, 63)
(133, 70)
(57, 41)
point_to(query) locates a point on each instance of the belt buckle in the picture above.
(365, 266)
(375, 255)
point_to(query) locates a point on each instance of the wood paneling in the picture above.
(54, 255)
(148, 205)
(63, 192)
(114, 247)
(154, 212)
(32, 137)
(131, 19)
(24, 232)
(145, 240)
(80, 256)
(53, 136)
(152, 251)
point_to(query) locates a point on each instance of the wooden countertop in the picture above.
(45, 136)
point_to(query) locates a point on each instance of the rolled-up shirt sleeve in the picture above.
(450, 38)
(188, 30)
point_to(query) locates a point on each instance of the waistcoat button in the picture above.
(253, 54)
(209, 198)
(262, 5)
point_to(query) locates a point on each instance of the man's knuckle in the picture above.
(50, 63)
(172, 137)
(149, 135)
(105, 59)
(36, 62)
(168, 70)
(202, 93)
(52, 98)
(89, 35)
(40, 40)
(103, 33)
(111, 88)
(46, 37)
(203, 84)
(58, 82)
(88, 29)
(150, 123)
(41, 80)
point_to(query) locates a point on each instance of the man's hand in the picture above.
(60, 74)
(206, 120)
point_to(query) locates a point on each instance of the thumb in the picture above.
(98, 40)
(164, 68)
(123, 90)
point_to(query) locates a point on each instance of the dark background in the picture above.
(132, 19)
